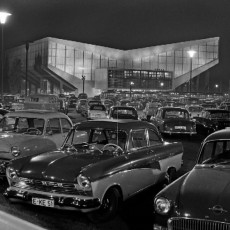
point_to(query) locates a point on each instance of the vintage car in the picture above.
(97, 112)
(174, 120)
(101, 163)
(122, 112)
(28, 132)
(212, 120)
(194, 110)
(200, 198)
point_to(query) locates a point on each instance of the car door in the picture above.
(65, 126)
(143, 166)
(54, 131)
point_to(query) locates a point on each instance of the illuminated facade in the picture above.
(56, 65)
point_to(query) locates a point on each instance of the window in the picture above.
(215, 150)
(66, 126)
(54, 126)
(138, 139)
(154, 139)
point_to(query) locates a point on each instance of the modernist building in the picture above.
(53, 65)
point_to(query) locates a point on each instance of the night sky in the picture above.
(122, 24)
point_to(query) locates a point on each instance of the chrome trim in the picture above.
(68, 202)
(178, 223)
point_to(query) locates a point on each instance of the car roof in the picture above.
(36, 113)
(121, 124)
(222, 134)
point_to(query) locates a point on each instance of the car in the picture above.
(101, 164)
(174, 120)
(199, 199)
(194, 110)
(150, 109)
(27, 132)
(97, 112)
(3, 112)
(122, 112)
(212, 120)
(81, 106)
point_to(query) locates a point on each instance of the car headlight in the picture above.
(11, 173)
(84, 182)
(162, 205)
(15, 151)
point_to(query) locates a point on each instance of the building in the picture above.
(53, 65)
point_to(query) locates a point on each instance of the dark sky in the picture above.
(122, 24)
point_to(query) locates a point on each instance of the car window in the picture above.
(66, 125)
(153, 138)
(138, 138)
(98, 136)
(212, 150)
(54, 126)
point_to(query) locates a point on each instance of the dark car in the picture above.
(211, 120)
(199, 199)
(101, 164)
(123, 112)
(174, 120)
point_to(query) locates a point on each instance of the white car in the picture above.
(194, 110)
(97, 112)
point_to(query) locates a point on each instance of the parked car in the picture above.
(97, 112)
(199, 199)
(28, 132)
(123, 112)
(194, 110)
(212, 120)
(3, 112)
(100, 164)
(81, 106)
(174, 120)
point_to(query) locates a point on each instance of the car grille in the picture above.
(196, 224)
(51, 187)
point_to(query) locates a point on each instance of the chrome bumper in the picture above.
(61, 201)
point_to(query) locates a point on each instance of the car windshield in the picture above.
(215, 152)
(176, 114)
(125, 113)
(195, 109)
(97, 138)
(34, 126)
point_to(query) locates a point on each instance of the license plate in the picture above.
(43, 202)
(180, 127)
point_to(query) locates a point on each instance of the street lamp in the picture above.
(130, 88)
(83, 85)
(27, 49)
(191, 54)
(217, 86)
(3, 17)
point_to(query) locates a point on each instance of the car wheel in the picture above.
(109, 207)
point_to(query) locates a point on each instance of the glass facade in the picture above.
(150, 68)
(140, 79)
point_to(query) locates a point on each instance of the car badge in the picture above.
(218, 209)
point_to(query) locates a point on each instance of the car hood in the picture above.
(8, 140)
(58, 165)
(205, 191)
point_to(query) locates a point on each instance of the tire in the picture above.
(109, 208)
